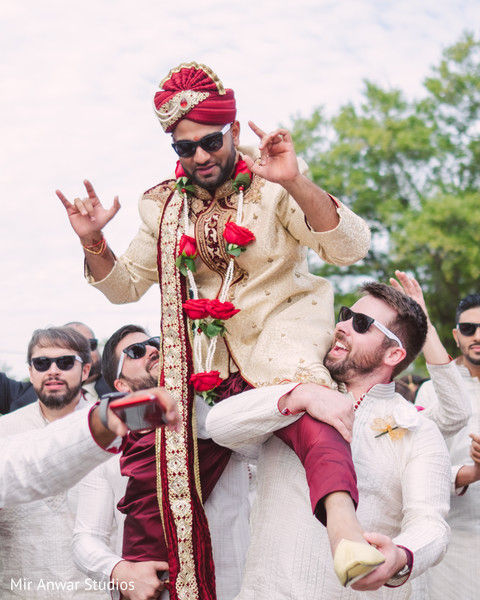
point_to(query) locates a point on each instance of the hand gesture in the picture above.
(139, 580)
(410, 287)
(87, 216)
(278, 161)
(395, 559)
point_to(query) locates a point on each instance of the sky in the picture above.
(77, 83)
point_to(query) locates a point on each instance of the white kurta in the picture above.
(35, 539)
(40, 463)
(227, 510)
(457, 577)
(403, 487)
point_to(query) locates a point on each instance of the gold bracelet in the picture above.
(102, 239)
(101, 250)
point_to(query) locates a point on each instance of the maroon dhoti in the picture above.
(326, 458)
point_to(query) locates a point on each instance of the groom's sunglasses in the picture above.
(361, 323)
(210, 143)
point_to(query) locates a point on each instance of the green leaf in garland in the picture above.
(214, 328)
(241, 180)
(235, 250)
(182, 183)
(190, 264)
(209, 397)
(179, 261)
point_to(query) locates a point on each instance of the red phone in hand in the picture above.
(140, 413)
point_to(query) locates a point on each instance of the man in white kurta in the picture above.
(403, 475)
(458, 575)
(35, 539)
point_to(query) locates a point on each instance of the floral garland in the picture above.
(208, 315)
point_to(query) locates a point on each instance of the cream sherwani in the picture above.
(36, 538)
(458, 575)
(403, 486)
(272, 286)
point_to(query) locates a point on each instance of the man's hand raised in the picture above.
(87, 216)
(278, 161)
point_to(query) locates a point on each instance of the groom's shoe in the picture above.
(354, 560)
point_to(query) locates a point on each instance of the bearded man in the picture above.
(233, 226)
(400, 457)
(35, 538)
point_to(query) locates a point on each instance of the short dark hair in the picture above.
(63, 337)
(410, 324)
(470, 301)
(109, 358)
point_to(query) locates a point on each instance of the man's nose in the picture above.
(53, 369)
(201, 156)
(344, 326)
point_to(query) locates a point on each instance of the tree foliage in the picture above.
(411, 168)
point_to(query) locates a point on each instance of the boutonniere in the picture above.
(403, 419)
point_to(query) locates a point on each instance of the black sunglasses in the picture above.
(468, 329)
(210, 143)
(137, 350)
(361, 323)
(64, 363)
(93, 344)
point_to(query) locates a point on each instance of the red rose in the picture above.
(187, 246)
(241, 167)
(196, 309)
(203, 382)
(236, 234)
(179, 172)
(221, 310)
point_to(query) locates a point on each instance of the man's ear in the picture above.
(394, 355)
(122, 386)
(235, 129)
(455, 336)
(85, 371)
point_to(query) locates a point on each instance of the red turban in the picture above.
(194, 91)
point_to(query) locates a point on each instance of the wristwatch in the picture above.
(404, 571)
(103, 406)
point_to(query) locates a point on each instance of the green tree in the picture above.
(411, 168)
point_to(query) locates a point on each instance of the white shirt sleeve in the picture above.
(426, 498)
(245, 421)
(94, 526)
(44, 462)
(445, 399)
